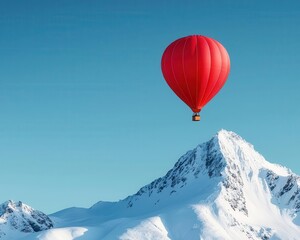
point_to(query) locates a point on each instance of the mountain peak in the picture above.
(222, 159)
(11, 205)
(229, 137)
(234, 147)
(22, 218)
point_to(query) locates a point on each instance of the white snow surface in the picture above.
(222, 189)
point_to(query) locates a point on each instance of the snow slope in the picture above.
(222, 189)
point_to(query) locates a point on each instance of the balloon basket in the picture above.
(196, 117)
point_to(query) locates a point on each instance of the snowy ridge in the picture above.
(222, 189)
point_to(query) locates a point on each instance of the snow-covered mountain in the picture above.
(222, 189)
(17, 218)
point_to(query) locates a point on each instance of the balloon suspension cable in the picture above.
(196, 117)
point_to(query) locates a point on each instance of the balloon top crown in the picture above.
(195, 37)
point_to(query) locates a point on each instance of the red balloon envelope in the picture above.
(196, 68)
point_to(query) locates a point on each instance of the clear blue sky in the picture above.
(86, 114)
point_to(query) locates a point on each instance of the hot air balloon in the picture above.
(195, 68)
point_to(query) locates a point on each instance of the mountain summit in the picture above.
(17, 218)
(222, 189)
